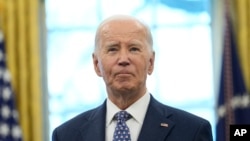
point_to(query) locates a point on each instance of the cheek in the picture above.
(105, 67)
(141, 67)
(147, 68)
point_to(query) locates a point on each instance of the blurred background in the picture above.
(47, 77)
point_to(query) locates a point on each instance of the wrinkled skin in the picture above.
(124, 58)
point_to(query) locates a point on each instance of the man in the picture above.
(124, 57)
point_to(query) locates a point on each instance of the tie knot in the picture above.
(122, 115)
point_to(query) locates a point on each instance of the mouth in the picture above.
(123, 73)
(123, 77)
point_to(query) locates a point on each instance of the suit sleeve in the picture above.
(204, 133)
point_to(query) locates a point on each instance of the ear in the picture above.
(96, 65)
(151, 63)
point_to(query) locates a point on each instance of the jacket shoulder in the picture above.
(187, 126)
(72, 128)
(176, 114)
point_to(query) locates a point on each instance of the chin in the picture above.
(125, 89)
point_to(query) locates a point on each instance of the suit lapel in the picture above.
(94, 129)
(156, 126)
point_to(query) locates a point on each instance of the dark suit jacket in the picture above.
(182, 126)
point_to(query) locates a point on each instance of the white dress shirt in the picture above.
(137, 110)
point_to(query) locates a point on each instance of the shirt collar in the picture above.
(140, 105)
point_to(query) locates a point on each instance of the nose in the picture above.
(124, 59)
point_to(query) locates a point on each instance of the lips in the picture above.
(123, 73)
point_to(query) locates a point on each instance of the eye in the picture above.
(112, 49)
(134, 49)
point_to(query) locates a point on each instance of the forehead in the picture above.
(122, 27)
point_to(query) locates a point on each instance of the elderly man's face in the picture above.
(123, 57)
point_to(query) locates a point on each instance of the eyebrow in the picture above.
(112, 43)
(135, 42)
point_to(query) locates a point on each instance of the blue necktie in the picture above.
(121, 130)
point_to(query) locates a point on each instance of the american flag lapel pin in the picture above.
(164, 124)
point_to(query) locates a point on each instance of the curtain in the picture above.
(242, 27)
(20, 23)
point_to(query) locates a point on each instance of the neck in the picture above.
(124, 99)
